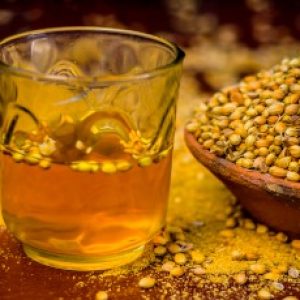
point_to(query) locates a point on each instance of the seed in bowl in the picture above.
(256, 123)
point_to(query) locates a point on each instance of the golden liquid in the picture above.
(77, 213)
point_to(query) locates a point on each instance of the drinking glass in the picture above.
(87, 125)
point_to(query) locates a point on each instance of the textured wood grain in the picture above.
(21, 278)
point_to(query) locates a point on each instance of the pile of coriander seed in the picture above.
(256, 123)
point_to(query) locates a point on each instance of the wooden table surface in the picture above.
(21, 278)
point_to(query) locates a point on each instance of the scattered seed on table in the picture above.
(197, 256)
(177, 271)
(147, 282)
(240, 278)
(264, 294)
(174, 248)
(262, 229)
(101, 295)
(231, 223)
(168, 266)
(293, 272)
(249, 224)
(45, 163)
(237, 255)
(278, 286)
(282, 269)
(252, 255)
(161, 239)
(227, 233)
(281, 237)
(180, 258)
(160, 250)
(271, 276)
(258, 268)
(199, 270)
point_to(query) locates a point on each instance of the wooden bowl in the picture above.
(270, 200)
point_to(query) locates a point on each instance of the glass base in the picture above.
(80, 263)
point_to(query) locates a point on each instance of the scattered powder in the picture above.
(194, 224)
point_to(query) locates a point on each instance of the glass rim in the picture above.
(94, 80)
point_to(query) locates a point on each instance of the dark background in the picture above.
(151, 16)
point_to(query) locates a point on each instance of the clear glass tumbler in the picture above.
(87, 125)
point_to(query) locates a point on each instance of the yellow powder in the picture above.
(200, 204)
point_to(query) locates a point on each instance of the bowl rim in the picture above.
(232, 172)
